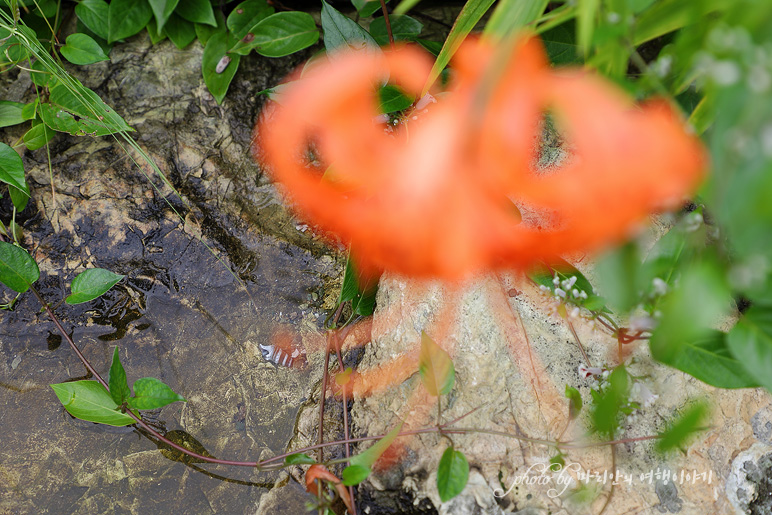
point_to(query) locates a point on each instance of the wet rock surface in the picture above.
(180, 315)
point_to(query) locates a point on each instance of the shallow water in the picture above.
(180, 315)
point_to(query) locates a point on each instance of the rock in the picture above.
(516, 385)
(180, 315)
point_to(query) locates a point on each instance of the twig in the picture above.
(388, 23)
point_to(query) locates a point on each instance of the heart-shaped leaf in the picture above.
(17, 268)
(435, 367)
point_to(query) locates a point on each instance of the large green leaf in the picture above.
(92, 283)
(94, 15)
(452, 474)
(12, 170)
(472, 12)
(282, 34)
(89, 400)
(709, 360)
(151, 393)
(341, 31)
(560, 44)
(126, 18)
(17, 268)
(80, 114)
(668, 15)
(198, 11)
(403, 28)
(11, 113)
(362, 463)
(435, 367)
(246, 15)
(162, 10)
(392, 99)
(81, 49)
(38, 136)
(181, 32)
(690, 311)
(116, 380)
(216, 53)
(750, 341)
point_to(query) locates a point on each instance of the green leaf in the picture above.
(587, 11)
(199, 11)
(246, 15)
(126, 18)
(560, 44)
(12, 169)
(299, 459)
(357, 289)
(38, 136)
(204, 32)
(468, 17)
(18, 198)
(362, 463)
(575, 401)
(94, 117)
(92, 283)
(544, 274)
(152, 31)
(181, 32)
(281, 34)
(215, 51)
(89, 400)
(17, 268)
(94, 14)
(354, 474)
(750, 341)
(366, 8)
(668, 15)
(11, 113)
(41, 75)
(619, 278)
(162, 10)
(341, 31)
(679, 431)
(151, 393)
(690, 310)
(393, 99)
(403, 28)
(452, 474)
(709, 359)
(81, 49)
(116, 380)
(608, 404)
(511, 16)
(435, 367)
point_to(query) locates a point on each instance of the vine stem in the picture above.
(388, 23)
(141, 423)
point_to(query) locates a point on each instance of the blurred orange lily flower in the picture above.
(442, 196)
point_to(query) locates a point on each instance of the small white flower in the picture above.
(560, 293)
